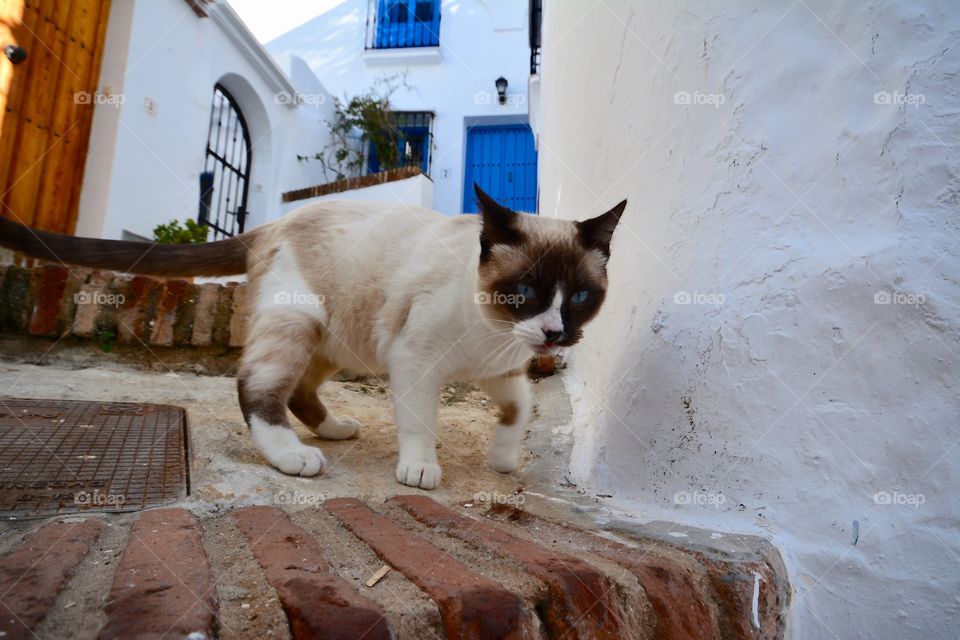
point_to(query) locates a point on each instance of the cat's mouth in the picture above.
(549, 347)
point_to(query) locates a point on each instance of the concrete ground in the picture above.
(227, 470)
(228, 475)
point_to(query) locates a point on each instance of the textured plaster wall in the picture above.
(779, 349)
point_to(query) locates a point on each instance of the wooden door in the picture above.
(46, 105)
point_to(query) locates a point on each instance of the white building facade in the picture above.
(452, 53)
(194, 118)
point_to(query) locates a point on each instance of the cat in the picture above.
(384, 288)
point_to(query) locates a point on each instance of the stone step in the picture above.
(258, 572)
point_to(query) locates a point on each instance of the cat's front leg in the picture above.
(512, 393)
(415, 395)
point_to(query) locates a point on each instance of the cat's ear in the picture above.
(499, 224)
(596, 233)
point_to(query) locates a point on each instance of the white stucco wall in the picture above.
(816, 167)
(143, 168)
(479, 42)
(416, 191)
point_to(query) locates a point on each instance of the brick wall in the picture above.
(53, 301)
(178, 323)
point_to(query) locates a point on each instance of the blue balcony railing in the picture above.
(395, 24)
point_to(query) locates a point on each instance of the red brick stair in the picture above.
(163, 586)
(318, 603)
(580, 600)
(471, 606)
(35, 572)
(457, 573)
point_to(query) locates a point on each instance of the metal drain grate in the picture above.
(60, 456)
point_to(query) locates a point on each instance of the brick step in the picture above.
(33, 574)
(580, 601)
(471, 605)
(457, 573)
(163, 586)
(317, 601)
(695, 594)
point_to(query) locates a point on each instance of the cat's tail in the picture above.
(221, 258)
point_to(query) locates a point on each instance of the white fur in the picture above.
(281, 447)
(334, 428)
(283, 289)
(532, 329)
(417, 261)
(504, 454)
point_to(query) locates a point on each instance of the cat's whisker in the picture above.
(515, 349)
(485, 336)
(494, 355)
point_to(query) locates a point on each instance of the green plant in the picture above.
(105, 338)
(173, 233)
(362, 121)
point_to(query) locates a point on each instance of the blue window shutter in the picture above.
(407, 23)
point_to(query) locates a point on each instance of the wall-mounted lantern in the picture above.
(501, 83)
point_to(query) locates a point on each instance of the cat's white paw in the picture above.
(425, 475)
(303, 461)
(504, 453)
(334, 428)
(503, 461)
(283, 449)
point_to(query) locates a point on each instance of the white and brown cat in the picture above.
(384, 289)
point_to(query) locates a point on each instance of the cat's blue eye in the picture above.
(580, 297)
(526, 291)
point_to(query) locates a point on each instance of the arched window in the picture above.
(226, 169)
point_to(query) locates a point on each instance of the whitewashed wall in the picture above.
(479, 42)
(416, 191)
(779, 349)
(143, 168)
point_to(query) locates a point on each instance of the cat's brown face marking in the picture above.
(547, 277)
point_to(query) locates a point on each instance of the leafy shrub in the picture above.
(173, 233)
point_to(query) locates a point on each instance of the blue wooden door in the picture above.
(502, 160)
